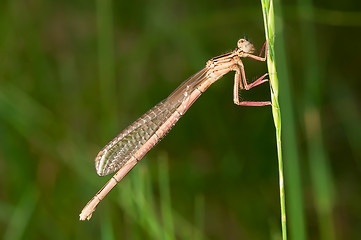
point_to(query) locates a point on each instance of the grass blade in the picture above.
(321, 176)
(268, 15)
(165, 204)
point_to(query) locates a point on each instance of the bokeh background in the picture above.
(73, 74)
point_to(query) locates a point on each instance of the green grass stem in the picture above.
(268, 15)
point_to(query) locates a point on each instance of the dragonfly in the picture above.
(122, 153)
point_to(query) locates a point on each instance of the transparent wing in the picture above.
(117, 152)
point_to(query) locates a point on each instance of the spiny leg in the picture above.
(240, 81)
(240, 77)
(254, 103)
(265, 49)
(259, 81)
(259, 58)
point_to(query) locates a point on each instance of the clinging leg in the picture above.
(241, 82)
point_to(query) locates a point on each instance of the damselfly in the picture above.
(129, 147)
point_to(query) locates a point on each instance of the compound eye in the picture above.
(245, 46)
(240, 42)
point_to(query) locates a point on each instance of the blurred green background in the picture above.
(73, 74)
